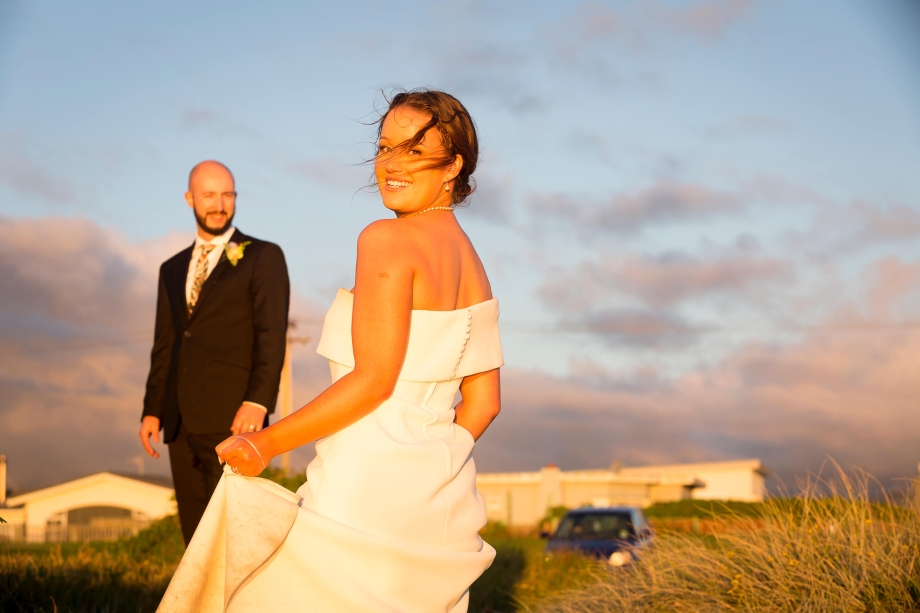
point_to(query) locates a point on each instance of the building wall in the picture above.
(512, 504)
(523, 499)
(670, 493)
(731, 480)
(603, 493)
(743, 485)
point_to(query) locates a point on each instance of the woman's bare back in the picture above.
(448, 272)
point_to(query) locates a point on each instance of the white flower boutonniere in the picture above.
(234, 251)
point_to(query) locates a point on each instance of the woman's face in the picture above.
(406, 179)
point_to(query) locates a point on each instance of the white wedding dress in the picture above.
(389, 518)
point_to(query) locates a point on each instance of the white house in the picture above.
(522, 499)
(741, 480)
(100, 506)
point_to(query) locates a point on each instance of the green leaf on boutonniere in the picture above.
(235, 251)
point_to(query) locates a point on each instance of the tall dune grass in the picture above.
(834, 548)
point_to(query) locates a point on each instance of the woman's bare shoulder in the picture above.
(387, 240)
(382, 233)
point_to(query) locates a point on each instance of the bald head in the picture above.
(212, 196)
(208, 168)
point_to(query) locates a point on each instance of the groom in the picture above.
(221, 322)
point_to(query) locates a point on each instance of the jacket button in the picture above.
(187, 334)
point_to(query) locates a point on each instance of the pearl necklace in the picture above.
(434, 208)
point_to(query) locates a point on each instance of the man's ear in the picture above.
(190, 199)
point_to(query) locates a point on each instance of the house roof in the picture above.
(752, 464)
(590, 476)
(165, 486)
(161, 480)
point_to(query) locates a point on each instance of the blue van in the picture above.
(615, 535)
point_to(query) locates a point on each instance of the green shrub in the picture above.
(681, 509)
(290, 481)
(521, 576)
(160, 542)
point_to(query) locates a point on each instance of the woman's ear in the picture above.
(455, 167)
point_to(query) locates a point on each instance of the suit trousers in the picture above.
(196, 472)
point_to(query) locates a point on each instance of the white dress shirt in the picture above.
(213, 258)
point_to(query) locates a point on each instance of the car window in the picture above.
(596, 526)
(641, 521)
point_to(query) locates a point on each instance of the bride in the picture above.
(389, 518)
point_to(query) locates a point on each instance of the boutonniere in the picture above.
(234, 251)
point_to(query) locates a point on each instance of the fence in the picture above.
(21, 533)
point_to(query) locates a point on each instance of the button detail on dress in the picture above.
(466, 339)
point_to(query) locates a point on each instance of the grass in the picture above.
(521, 577)
(129, 575)
(831, 549)
(685, 509)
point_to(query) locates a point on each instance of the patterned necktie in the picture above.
(201, 273)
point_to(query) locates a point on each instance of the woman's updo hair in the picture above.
(453, 122)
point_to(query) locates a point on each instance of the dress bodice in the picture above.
(443, 345)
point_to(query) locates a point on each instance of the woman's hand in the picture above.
(243, 454)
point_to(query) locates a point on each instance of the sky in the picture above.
(701, 218)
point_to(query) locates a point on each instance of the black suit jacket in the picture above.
(230, 349)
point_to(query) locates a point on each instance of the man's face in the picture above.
(212, 197)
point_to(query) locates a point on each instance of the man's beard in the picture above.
(213, 231)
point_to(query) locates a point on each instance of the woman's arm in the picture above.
(481, 401)
(380, 336)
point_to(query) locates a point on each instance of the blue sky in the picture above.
(700, 217)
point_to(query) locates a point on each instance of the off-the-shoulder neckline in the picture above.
(472, 306)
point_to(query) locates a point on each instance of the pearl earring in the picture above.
(447, 187)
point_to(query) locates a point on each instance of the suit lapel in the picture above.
(222, 265)
(175, 284)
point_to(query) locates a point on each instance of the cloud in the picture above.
(865, 223)
(472, 56)
(333, 172)
(632, 328)
(76, 325)
(847, 229)
(493, 199)
(663, 203)
(893, 289)
(23, 174)
(77, 303)
(748, 126)
(479, 68)
(75, 273)
(664, 280)
(706, 20)
(216, 122)
(845, 389)
(848, 396)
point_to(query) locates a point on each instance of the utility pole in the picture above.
(286, 389)
(2, 480)
(138, 461)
